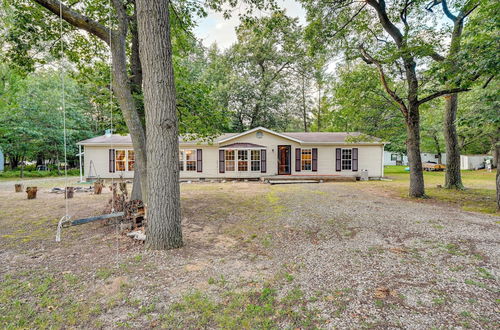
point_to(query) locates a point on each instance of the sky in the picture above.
(214, 28)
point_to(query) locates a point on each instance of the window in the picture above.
(242, 160)
(181, 160)
(306, 159)
(255, 160)
(394, 157)
(187, 160)
(131, 160)
(120, 159)
(346, 159)
(124, 160)
(229, 155)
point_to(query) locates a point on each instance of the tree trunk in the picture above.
(69, 192)
(497, 150)
(438, 148)
(14, 162)
(127, 104)
(136, 187)
(417, 188)
(163, 213)
(22, 167)
(319, 107)
(98, 185)
(31, 191)
(304, 108)
(453, 177)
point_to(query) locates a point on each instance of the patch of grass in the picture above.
(289, 277)
(479, 195)
(103, 273)
(439, 301)
(39, 302)
(485, 273)
(257, 309)
(478, 284)
(452, 248)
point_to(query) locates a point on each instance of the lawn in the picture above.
(479, 193)
(330, 255)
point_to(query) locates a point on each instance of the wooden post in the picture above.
(18, 187)
(31, 192)
(98, 185)
(69, 192)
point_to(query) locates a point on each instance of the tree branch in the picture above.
(441, 93)
(76, 19)
(437, 57)
(487, 82)
(123, 18)
(370, 60)
(388, 26)
(349, 21)
(447, 11)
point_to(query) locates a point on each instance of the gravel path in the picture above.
(391, 263)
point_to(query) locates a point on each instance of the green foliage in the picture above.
(478, 122)
(258, 85)
(31, 117)
(359, 104)
(37, 174)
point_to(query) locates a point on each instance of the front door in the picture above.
(284, 153)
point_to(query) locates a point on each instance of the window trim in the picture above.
(342, 160)
(124, 160)
(184, 160)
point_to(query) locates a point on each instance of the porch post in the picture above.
(80, 161)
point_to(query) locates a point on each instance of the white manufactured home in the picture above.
(256, 153)
(472, 162)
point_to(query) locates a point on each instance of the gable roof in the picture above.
(299, 137)
(106, 139)
(260, 129)
(242, 145)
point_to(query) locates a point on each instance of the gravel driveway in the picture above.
(397, 263)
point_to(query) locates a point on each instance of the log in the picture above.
(98, 185)
(69, 192)
(31, 192)
(18, 187)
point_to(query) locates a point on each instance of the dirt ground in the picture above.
(330, 255)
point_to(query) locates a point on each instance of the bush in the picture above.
(37, 174)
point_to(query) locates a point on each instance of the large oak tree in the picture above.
(398, 39)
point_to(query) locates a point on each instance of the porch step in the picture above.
(292, 181)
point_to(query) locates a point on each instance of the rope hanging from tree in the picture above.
(66, 219)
